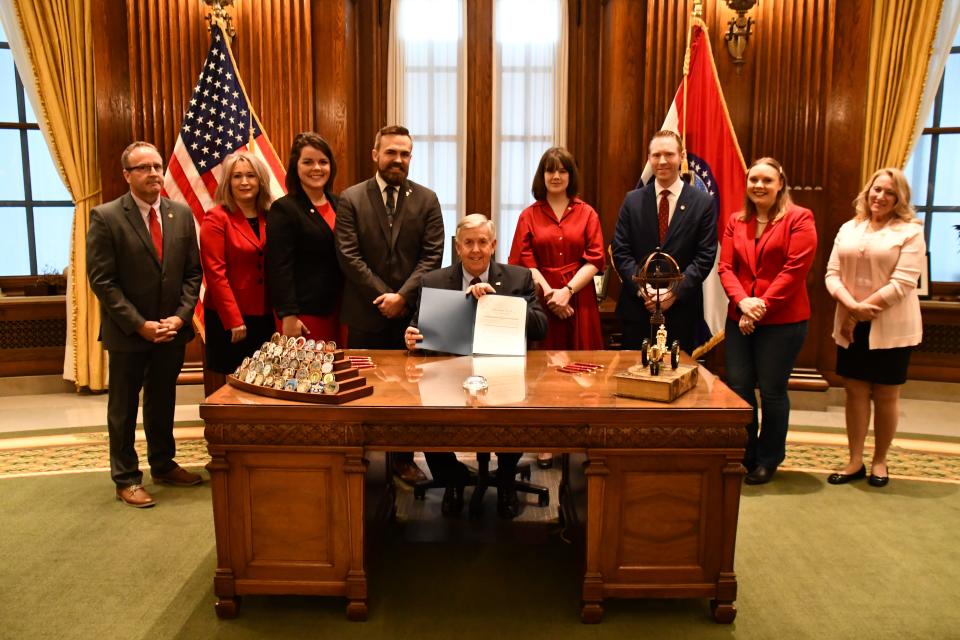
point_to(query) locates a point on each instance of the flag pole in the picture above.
(695, 14)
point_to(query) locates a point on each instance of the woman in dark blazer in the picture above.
(237, 315)
(765, 255)
(302, 269)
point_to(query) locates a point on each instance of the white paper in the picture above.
(501, 326)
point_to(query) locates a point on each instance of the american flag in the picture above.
(218, 122)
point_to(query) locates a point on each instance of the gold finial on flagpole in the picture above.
(697, 9)
(219, 16)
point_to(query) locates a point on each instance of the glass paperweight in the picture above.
(475, 384)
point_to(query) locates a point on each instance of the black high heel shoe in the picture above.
(844, 478)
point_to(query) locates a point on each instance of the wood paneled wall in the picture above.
(796, 97)
(296, 59)
(321, 64)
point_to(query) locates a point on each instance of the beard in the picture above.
(393, 174)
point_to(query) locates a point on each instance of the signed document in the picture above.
(453, 322)
(501, 326)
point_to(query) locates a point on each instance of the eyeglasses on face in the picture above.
(147, 168)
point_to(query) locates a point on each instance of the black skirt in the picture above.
(878, 366)
(224, 356)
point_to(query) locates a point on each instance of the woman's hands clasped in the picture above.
(558, 302)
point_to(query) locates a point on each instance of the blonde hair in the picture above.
(902, 210)
(224, 195)
(782, 201)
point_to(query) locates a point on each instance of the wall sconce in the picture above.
(740, 29)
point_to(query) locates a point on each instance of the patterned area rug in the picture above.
(89, 452)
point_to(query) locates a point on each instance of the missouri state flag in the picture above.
(218, 121)
(699, 115)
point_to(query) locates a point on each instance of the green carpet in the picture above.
(813, 561)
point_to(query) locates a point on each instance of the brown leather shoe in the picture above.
(178, 476)
(409, 472)
(135, 496)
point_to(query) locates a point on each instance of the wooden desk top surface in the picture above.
(414, 388)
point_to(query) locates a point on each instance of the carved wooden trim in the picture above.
(468, 436)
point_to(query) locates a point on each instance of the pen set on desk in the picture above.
(580, 367)
(361, 362)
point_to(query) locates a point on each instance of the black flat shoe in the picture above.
(878, 481)
(844, 478)
(760, 475)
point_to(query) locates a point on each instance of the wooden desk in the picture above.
(662, 481)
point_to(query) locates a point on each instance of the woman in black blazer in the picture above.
(302, 270)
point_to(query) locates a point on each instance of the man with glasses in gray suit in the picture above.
(143, 263)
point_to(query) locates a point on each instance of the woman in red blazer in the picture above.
(765, 255)
(237, 315)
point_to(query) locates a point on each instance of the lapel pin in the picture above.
(170, 215)
(406, 194)
(496, 284)
(682, 207)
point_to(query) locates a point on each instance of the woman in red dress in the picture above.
(559, 239)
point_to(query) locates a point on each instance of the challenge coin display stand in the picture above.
(301, 370)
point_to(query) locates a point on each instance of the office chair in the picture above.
(483, 479)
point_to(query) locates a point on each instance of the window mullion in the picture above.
(27, 186)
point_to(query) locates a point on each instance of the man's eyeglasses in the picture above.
(146, 168)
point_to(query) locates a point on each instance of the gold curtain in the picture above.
(59, 42)
(901, 43)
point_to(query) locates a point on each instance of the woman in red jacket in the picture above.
(765, 255)
(237, 316)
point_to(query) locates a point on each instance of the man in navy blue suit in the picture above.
(678, 218)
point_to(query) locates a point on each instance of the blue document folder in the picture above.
(446, 320)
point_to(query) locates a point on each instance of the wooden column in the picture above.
(479, 106)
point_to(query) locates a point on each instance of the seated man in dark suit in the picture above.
(478, 275)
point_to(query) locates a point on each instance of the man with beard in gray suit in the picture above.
(143, 263)
(389, 233)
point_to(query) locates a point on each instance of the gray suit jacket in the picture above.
(377, 259)
(129, 280)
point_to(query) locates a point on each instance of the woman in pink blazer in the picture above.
(872, 273)
(765, 254)
(237, 315)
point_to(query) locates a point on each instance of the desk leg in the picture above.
(723, 608)
(356, 587)
(227, 608)
(596, 472)
(228, 602)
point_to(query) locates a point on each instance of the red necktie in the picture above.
(663, 216)
(154, 224)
